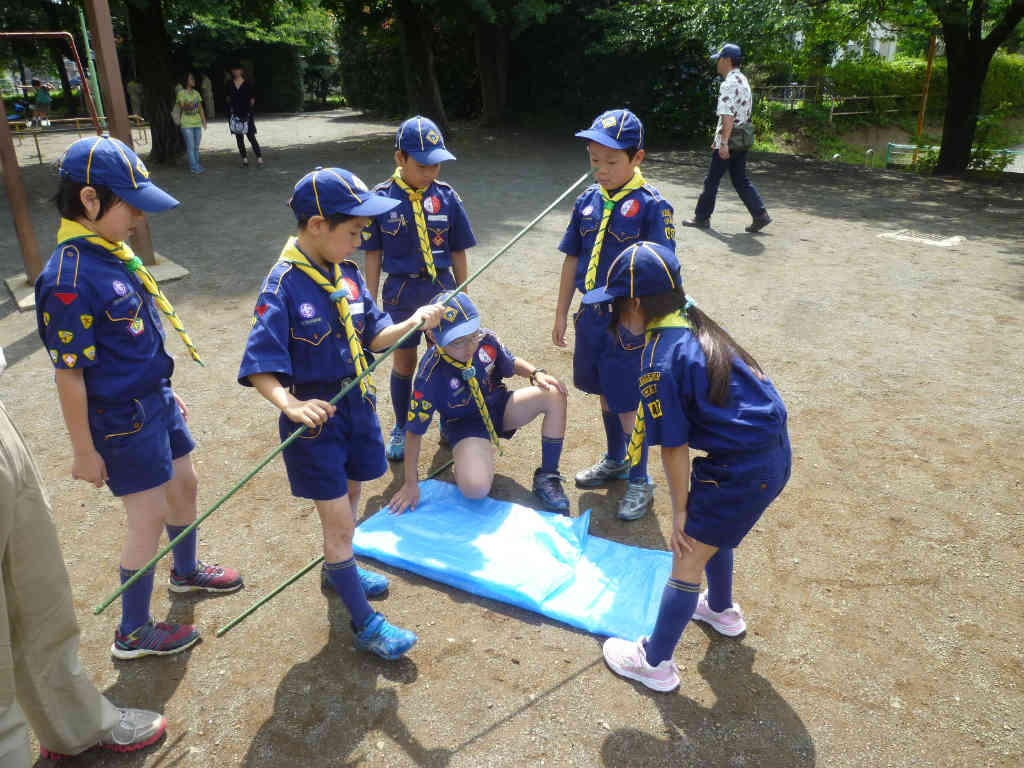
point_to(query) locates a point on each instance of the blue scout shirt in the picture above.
(641, 215)
(297, 333)
(674, 387)
(439, 385)
(394, 233)
(94, 314)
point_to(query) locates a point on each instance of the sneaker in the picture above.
(759, 223)
(259, 162)
(698, 223)
(637, 502)
(245, 163)
(629, 659)
(207, 578)
(384, 639)
(396, 445)
(154, 639)
(547, 487)
(136, 730)
(374, 584)
(599, 474)
(728, 622)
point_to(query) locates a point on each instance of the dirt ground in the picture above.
(868, 587)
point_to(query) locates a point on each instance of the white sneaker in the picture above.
(728, 622)
(629, 659)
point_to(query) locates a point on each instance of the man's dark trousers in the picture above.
(737, 167)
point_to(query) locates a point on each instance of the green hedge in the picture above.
(872, 76)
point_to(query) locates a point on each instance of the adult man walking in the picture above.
(735, 104)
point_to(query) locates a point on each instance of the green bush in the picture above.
(871, 76)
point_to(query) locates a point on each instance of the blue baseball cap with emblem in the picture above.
(616, 128)
(460, 318)
(328, 191)
(420, 138)
(729, 51)
(642, 269)
(110, 163)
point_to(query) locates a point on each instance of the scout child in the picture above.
(461, 378)
(419, 243)
(96, 309)
(313, 319)
(621, 208)
(699, 389)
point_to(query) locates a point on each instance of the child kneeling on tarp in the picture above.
(461, 378)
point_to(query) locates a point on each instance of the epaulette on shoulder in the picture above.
(384, 185)
(649, 188)
(67, 266)
(428, 363)
(444, 184)
(273, 282)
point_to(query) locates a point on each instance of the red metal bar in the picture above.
(78, 62)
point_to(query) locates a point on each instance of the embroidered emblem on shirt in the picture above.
(655, 407)
(69, 358)
(90, 353)
(65, 336)
(454, 384)
(588, 210)
(136, 326)
(86, 321)
(46, 318)
(431, 204)
(306, 310)
(119, 288)
(53, 355)
(487, 353)
(261, 309)
(65, 297)
(423, 416)
(629, 209)
(353, 289)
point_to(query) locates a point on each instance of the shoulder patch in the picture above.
(273, 282)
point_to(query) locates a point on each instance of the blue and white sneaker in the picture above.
(547, 487)
(386, 640)
(396, 444)
(374, 584)
(604, 471)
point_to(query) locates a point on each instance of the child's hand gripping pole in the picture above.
(344, 391)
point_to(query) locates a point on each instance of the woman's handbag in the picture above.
(238, 126)
(742, 137)
(176, 114)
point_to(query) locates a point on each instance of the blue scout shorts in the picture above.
(139, 439)
(458, 429)
(404, 294)
(729, 492)
(348, 445)
(606, 363)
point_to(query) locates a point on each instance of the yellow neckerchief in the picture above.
(609, 203)
(339, 294)
(469, 376)
(677, 319)
(416, 199)
(72, 230)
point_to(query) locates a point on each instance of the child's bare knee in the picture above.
(474, 489)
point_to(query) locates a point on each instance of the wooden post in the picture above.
(924, 95)
(18, 200)
(117, 110)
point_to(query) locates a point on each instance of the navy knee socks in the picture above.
(185, 563)
(719, 573)
(135, 601)
(345, 579)
(614, 435)
(638, 472)
(678, 602)
(401, 391)
(551, 453)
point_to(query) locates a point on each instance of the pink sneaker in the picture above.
(629, 659)
(728, 622)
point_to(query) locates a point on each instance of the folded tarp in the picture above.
(539, 561)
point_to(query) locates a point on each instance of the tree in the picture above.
(422, 89)
(968, 53)
(152, 60)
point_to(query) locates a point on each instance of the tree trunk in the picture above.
(58, 48)
(491, 46)
(966, 70)
(422, 87)
(152, 54)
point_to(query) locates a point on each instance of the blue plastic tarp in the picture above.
(540, 561)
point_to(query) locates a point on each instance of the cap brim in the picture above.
(597, 296)
(432, 156)
(374, 205)
(457, 331)
(148, 197)
(603, 138)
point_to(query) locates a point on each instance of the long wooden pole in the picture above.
(924, 95)
(18, 200)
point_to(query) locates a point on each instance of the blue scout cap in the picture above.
(328, 191)
(729, 51)
(616, 128)
(642, 269)
(460, 318)
(421, 138)
(111, 163)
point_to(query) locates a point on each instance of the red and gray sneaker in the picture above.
(207, 578)
(137, 729)
(154, 639)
